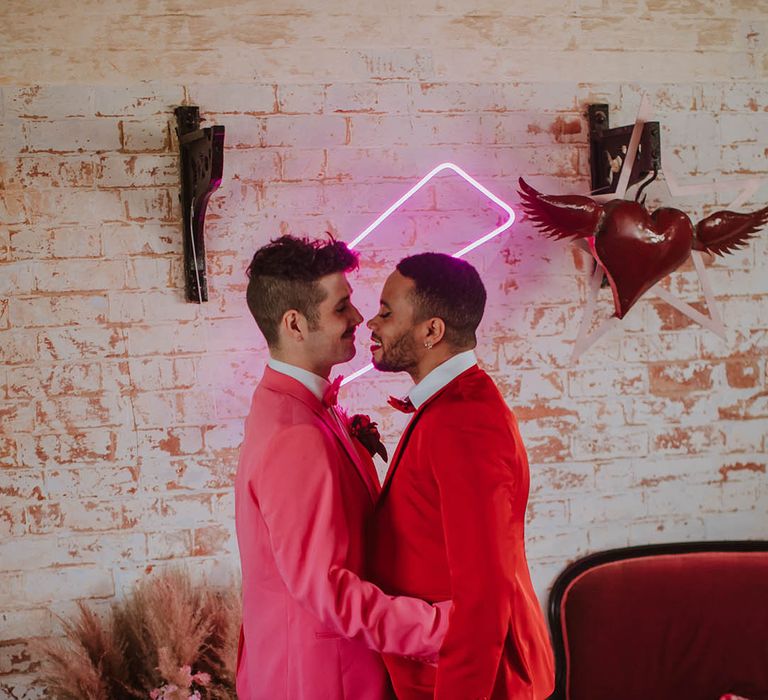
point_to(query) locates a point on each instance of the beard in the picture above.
(400, 356)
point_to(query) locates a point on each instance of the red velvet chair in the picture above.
(684, 621)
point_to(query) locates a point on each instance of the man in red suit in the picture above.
(304, 492)
(450, 519)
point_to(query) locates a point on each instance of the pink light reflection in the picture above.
(458, 254)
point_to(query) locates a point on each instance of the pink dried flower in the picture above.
(202, 678)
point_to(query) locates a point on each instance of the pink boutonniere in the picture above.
(366, 432)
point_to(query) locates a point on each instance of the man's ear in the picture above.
(435, 330)
(293, 326)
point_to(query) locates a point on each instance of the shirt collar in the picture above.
(315, 383)
(440, 376)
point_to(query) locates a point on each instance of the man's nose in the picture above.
(358, 316)
(371, 324)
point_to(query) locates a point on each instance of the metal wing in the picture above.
(560, 216)
(726, 231)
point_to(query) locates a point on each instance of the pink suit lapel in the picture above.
(282, 383)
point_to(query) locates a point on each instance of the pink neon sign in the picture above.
(459, 253)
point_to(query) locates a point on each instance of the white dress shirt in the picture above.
(441, 375)
(314, 382)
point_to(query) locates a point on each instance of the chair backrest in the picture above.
(684, 621)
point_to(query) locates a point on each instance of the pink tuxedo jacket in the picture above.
(450, 524)
(303, 495)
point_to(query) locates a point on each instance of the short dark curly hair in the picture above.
(450, 289)
(283, 275)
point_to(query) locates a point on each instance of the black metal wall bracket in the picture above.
(202, 165)
(608, 147)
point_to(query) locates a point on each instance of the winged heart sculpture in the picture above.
(634, 247)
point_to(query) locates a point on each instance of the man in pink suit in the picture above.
(304, 492)
(450, 519)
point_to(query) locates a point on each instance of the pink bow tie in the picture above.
(331, 395)
(405, 405)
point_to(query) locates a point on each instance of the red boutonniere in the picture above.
(366, 432)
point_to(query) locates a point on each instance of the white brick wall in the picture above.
(121, 405)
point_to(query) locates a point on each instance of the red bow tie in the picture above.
(405, 405)
(331, 395)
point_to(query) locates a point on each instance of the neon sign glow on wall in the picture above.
(459, 253)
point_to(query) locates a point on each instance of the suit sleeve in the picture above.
(478, 482)
(299, 497)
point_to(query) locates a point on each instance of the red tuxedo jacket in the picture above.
(450, 525)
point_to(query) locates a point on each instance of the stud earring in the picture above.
(428, 346)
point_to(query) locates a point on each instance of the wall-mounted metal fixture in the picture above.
(202, 165)
(608, 148)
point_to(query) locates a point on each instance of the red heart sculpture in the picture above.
(636, 249)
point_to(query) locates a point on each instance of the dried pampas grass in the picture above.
(170, 639)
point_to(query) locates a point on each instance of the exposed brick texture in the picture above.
(121, 405)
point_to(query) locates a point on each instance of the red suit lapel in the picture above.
(412, 424)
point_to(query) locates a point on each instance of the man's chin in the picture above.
(383, 366)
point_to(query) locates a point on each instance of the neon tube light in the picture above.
(458, 254)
